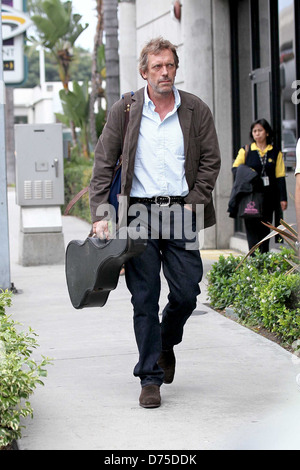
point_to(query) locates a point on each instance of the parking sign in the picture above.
(14, 24)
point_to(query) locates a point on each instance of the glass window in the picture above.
(287, 63)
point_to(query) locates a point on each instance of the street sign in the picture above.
(14, 24)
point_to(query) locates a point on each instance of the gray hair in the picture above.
(155, 46)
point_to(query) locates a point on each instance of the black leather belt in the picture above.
(159, 200)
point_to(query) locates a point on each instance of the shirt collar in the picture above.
(255, 147)
(149, 102)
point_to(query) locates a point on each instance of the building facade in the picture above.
(241, 57)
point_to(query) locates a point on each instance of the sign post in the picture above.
(13, 24)
(4, 238)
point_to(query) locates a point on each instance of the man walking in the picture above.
(171, 160)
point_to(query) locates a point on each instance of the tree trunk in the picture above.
(110, 12)
(96, 78)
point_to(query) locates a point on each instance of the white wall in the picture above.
(39, 104)
(156, 20)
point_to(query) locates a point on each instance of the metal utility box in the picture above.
(39, 165)
(40, 193)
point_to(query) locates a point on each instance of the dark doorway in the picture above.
(256, 73)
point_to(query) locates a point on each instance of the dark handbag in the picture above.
(115, 187)
(250, 206)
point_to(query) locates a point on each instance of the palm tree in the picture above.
(58, 29)
(76, 109)
(110, 12)
(96, 78)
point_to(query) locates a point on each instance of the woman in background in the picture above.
(268, 163)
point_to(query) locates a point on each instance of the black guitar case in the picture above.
(93, 266)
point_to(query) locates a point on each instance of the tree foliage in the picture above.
(76, 109)
(58, 29)
(79, 68)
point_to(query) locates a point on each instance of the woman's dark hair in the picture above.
(264, 123)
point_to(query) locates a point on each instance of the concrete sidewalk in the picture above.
(233, 389)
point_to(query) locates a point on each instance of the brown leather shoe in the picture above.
(150, 396)
(167, 362)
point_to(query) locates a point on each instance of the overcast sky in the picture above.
(86, 8)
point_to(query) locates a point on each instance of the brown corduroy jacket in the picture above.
(202, 154)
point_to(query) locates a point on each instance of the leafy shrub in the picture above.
(259, 291)
(247, 289)
(222, 282)
(77, 175)
(19, 375)
(226, 281)
(280, 306)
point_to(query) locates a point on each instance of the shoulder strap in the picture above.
(75, 199)
(127, 97)
(127, 103)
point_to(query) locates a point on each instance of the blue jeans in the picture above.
(183, 271)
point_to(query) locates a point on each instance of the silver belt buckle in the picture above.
(163, 204)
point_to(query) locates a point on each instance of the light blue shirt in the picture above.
(159, 161)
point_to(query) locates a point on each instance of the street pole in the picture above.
(4, 238)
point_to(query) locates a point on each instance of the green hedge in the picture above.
(260, 291)
(19, 374)
(77, 175)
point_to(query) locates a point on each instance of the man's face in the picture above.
(161, 72)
